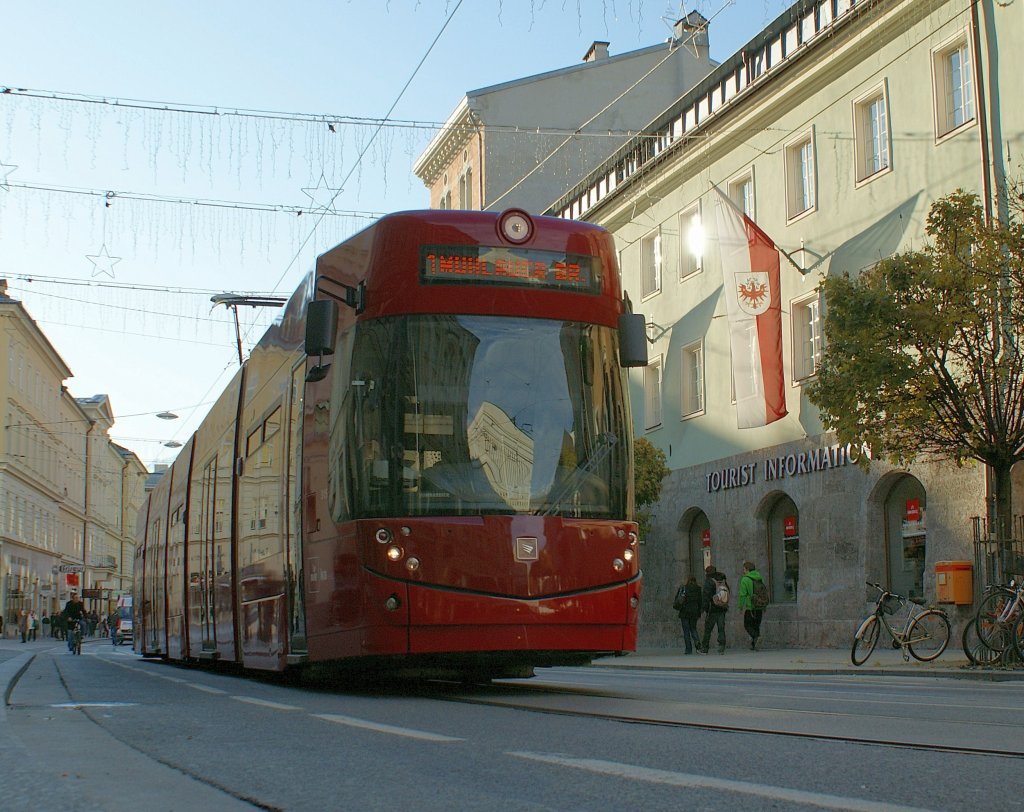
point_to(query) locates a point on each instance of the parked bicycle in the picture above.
(1000, 619)
(923, 636)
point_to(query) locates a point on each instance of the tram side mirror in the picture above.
(321, 331)
(321, 326)
(632, 340)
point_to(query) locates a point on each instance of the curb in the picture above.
(10, 672)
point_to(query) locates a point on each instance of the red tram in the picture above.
(425, 465)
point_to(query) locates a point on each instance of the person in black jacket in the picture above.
(715, 613)
(689, 599)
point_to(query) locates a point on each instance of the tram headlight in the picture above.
(412, 563)
(383, 535)
(392, 603)
(634, 602)
(394, 553)
(633, 539)
(618, 564)
(628, 555)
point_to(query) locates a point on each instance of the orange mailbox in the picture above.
(954, 582)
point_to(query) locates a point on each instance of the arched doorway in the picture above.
(784, 549)
(905, 536)
(697, 530)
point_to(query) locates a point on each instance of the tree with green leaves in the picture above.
(923, 351)
(649, 470)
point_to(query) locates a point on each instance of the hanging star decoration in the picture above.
(321, 195)
(5, 170)
(103, 262)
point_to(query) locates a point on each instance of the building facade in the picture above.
(524, 142)
(64, 487)
(834, 129)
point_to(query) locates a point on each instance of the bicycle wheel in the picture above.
(993, 632)
(977, 652)
(865, 640)
(928, 635)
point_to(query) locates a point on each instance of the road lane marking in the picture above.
(80, 705)
(408, 733)
(266, 703)
(206, 688)
(674, 779)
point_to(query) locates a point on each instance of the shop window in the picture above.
(871, 134)
(650, 264)
(905, 534)
(699, 545)
(784, 550)
(952, 79)
(801, 194)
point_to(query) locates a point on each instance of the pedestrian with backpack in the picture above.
(715, 602)
(753, 599)
(687, 604)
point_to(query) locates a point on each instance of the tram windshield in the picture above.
(470, 415)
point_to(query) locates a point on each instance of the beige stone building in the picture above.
(524, 142)
(65, 489)
(834, 130)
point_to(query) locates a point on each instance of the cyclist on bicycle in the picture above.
(74, 612)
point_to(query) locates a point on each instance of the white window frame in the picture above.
(801, 176)
(652, 394)
(651, 262)
(945, 86)
(691, 390)
(690, 264)
(872, 136)
(738, 194)
(807, 328)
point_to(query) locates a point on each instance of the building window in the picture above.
(952, 76)
(784, 550)
(871, 134)
(652, 394)
(466, 189)
(691, 242)
(650, 264)
(806, 316)
(800, 176)
(741, 192)
(692, 379)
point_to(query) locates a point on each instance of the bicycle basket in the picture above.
(890, 606)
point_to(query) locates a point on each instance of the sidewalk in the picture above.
(952, 664)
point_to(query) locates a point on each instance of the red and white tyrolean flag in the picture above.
(750, 271)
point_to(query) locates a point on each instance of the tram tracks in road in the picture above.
(514, 696)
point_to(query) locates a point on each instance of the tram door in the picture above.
(156, 547)
(293, 503)
(261, 544)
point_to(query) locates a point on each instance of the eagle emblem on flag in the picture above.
(753, 292)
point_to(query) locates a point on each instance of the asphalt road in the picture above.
(110, 731)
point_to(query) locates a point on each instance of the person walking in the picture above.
(23, 625)
(715, 603)
(688, 605)
(32, 625)
(752, 599)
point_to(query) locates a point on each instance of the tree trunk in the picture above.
(1003, 492)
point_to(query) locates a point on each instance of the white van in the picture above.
(124, 620)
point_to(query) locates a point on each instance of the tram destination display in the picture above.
(509, 267)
